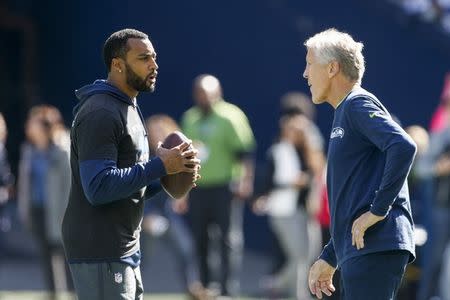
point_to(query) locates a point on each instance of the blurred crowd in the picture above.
(430, 11)
(204, 229)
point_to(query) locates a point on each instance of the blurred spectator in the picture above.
(294, 104)
(222, 134)
(43, 189)
(298, 103)
(435, 169)
(6, 180)
(426, 9)
(439, 118)
(288, 188)
(433, 11)
(421, 206)
(421, 138)
(163, 217)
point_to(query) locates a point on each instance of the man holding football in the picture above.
(112, 173)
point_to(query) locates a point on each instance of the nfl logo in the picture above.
(118, 278)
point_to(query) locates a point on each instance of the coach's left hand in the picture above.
(360, 226)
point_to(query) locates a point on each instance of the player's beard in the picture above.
(137, 82)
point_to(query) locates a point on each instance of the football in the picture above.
(176, 185)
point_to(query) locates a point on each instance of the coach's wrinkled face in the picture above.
(318, 78)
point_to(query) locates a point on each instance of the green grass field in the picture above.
(11, 295)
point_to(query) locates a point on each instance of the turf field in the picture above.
(11, 295)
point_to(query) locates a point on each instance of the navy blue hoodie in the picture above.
(111, 176)
(369, 158)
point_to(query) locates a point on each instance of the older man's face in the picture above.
(317, 76)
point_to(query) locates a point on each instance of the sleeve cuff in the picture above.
(153, 188)
(380, 211)
(328, 256)
(155, 168)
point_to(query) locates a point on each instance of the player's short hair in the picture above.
(116, 45)
(333, 45)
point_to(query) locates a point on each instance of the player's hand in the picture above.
(360, 226)
(320, 278)
(182, 158)
(197, 175)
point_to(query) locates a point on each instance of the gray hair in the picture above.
(333, 45)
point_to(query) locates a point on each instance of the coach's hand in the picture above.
(360, 226)
(321, 278)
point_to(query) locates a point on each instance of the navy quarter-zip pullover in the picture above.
(369, 158)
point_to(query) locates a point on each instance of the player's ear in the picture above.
(333, 68)
(117, 65)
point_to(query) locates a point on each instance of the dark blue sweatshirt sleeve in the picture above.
(373, 122)
(103, 182)
(153, 188)
(328, 254)
(98, 136)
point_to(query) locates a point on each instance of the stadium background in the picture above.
(254, 47)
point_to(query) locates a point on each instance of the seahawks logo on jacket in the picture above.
(337, 132)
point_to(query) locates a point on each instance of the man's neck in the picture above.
(122, 86)
(205, 111)
(208, 109)
(340, 91)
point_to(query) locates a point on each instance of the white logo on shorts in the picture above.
(118, 277)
